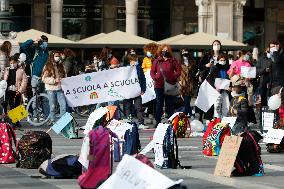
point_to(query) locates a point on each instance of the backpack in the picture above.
(132, 142)
(248, 161)
(7, 138)
(170, 149)
(209, 128)
(99, 167)
(62, 166)
(180, 123)
(33, 149)
(213, 142)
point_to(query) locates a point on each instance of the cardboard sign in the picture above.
(62, 122)
(229, 120)
(17, 114)
(248, 72)
(227, 156)
(274, 136)
(133, 174)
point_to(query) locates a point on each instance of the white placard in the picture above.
(119, 128)
(267, 120)
(222, 83)
(159, 155)
(248, 72)
(207, 96)
(159, 133)
(150, 92)
(104, 86)
(230, 120)
(133, 174)
(147, 148)
(274, 136)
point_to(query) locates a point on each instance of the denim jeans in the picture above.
(187, 106)
(160, 99)
(54, 98)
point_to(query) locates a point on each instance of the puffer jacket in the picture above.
(171, 70)
(21, 79)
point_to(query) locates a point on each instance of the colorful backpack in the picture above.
(248, 161)
(7, 138)
(209, 128)
(213, 143)
(180, 124)
(99, 167)
(33, 149)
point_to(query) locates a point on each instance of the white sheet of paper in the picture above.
(248, 72)
(159, 155)
(159, 133)
(267, 120)
(222, 83)
(133, 174)
(119, 128)
(207, 96)
(230, 120)
(274, 136)
(150, 91)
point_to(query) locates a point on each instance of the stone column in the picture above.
(238, 20)
(177, 17)
(131, 16)
(205, 16)
(109, 17)
(39, 12)
(56, 17)
(271, 23)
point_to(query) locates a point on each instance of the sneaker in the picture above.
(142, 126)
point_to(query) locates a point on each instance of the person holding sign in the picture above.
(238, 106)
(52, 74)
(235, 68)
(164, 68)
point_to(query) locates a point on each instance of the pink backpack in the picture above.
(99, 159)
(7, 137)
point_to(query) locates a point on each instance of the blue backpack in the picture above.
(132, 142)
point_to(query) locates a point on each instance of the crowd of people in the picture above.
(38, 68)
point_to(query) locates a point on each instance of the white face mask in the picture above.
(95, 60)
(148, 54)
(268, 55)
(13, 66)
(56, 59)
(231, 61)
(216, 47)
(222, 62)
(273, 49)
(234, 94)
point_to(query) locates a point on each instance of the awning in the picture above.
(92, 39)
(172, 39)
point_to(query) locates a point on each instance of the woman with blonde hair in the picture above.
(5, 50)
(53, 73)
(164, 68)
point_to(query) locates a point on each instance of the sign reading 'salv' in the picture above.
(97, 87)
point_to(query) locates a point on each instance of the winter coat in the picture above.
(238, 64)
(50, 82)
(187, 81)
(4, 61)
(240, 104)
(262, 75)
(217, 71)
(21, 79)
(146, 64)
(277, 71)
(171, 70)
(37, 60)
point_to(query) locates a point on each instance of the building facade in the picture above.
(263, 20)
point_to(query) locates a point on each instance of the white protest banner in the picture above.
(229, 120)
(248, 72)
(267, 120)
(207, 96)
(150, 92)
(104, 86)
(222, 83)
(133, 174)
(274, 136)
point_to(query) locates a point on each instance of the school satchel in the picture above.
(33, 148)
(7, 139)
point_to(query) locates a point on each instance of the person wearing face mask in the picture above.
(150, 51)
(5, 50)
(168, 68)
(187, 80)
(68, 57)
(244, 60)
(238, 106)
(107, 60)
(37, 54)
(16, 84)
(137, 101)
(52, 75)
(221, 106)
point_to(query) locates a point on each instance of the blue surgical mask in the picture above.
(43, 45)
(246, 58)
(149, 54)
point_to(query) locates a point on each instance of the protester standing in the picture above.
(5, 51)
(52, 75)
(165, 67)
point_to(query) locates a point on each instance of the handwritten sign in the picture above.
(222, 83)
(248, 72)
(274, 136)
(267, 120)
(133, 174)
(227, 156)
(159, 157)
(229, 120)
(17, 114)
